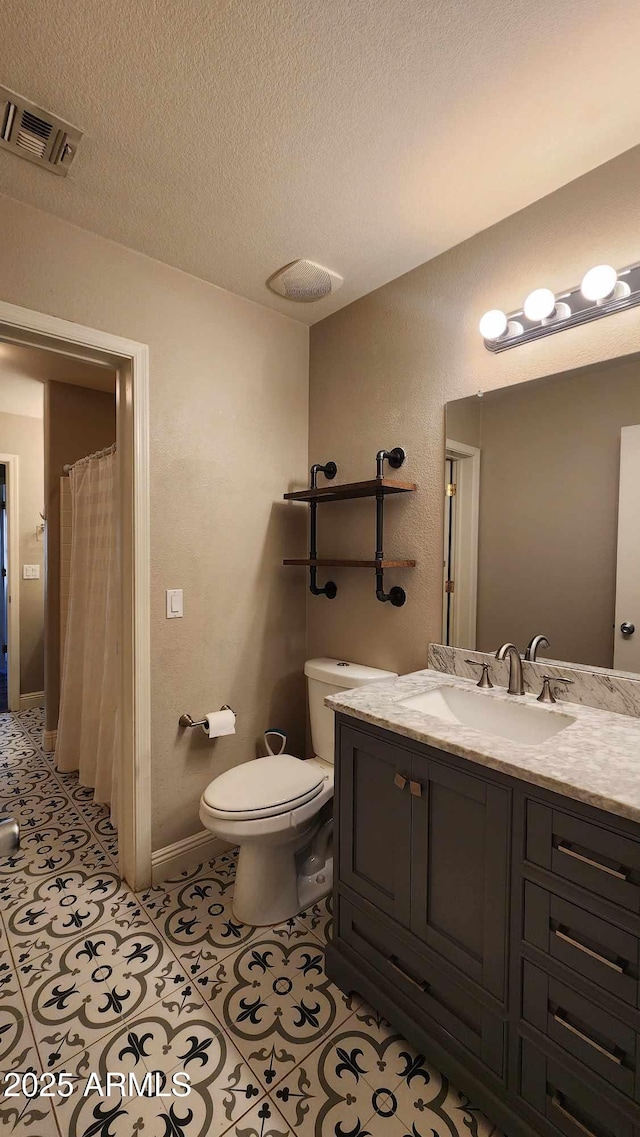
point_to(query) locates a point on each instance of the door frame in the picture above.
(11, 462)
(131, 361)
(465, 544)
(626, 550)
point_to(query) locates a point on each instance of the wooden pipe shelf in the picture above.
(317, 563)
(378, 488)
(352, 490)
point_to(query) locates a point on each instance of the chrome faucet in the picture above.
(534, 646)
(516, 681)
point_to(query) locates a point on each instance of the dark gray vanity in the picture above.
(488, 844)
(493, 922)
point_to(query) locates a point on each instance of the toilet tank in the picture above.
(327, 677)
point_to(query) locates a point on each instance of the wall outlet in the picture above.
(31, 572)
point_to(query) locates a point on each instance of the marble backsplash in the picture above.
(604, 690)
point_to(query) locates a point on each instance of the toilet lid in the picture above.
(264, 786)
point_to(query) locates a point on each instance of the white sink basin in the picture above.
(515, 719)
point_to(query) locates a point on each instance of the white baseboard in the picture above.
(34, 699)
(49, 738)
(185, 855)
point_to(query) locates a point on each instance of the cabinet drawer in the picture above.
(592, 947)
(591, 1034)
(590, 855)
(575, 1107)
(442, 1000)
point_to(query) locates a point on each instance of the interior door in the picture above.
(3, 590)
(449, 549)
(626, 650)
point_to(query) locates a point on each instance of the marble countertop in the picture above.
(595, 760)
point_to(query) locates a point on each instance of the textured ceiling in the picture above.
(228, 137)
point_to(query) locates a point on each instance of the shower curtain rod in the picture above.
(98, 454)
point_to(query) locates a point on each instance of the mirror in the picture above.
(542, 517)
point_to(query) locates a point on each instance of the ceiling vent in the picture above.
(304, 281)
(33, 133)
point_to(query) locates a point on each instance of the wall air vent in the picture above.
(35, 134)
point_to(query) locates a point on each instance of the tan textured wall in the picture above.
(228, 427)
(77, 421)
(549, 509)
(23, 435)
(383, 369)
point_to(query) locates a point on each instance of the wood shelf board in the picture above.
(352, 490)
(323, 563)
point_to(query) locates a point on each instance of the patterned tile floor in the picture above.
(96, 980)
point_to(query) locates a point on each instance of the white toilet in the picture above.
(271, 807)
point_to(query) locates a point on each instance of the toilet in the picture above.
(274, 809)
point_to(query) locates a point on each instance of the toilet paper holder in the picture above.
(187, 721)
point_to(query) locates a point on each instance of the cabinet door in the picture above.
(375, 821)
(460, 857)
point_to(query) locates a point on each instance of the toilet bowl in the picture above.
(274, 809)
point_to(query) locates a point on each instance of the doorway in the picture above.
(626, 643)
(460, 578)
(10, 583)
(4, 596)
(130, 362)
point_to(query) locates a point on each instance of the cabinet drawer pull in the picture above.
(400, 781)
(588, 951)
(421, 984)
(585, 1038)
(416, 789)
(557, 1103)
(569, 852)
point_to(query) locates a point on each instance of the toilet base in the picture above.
(313, 888)
(268, 888)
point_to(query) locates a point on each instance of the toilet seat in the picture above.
(264, 787)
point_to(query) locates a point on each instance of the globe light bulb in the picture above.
(599, 283)
(493, 324)
(539, 305)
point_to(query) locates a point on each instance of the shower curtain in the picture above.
(88, 735)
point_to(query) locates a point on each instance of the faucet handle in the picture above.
(546, 695)
(484, 680)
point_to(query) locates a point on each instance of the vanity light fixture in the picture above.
(494, 325)
(601, 283)
(541, 306)
(603, 290)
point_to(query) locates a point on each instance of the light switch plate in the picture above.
(31, 572)
(174, 603)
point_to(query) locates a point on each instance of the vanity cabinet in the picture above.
(497, 926)
(411, 825)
